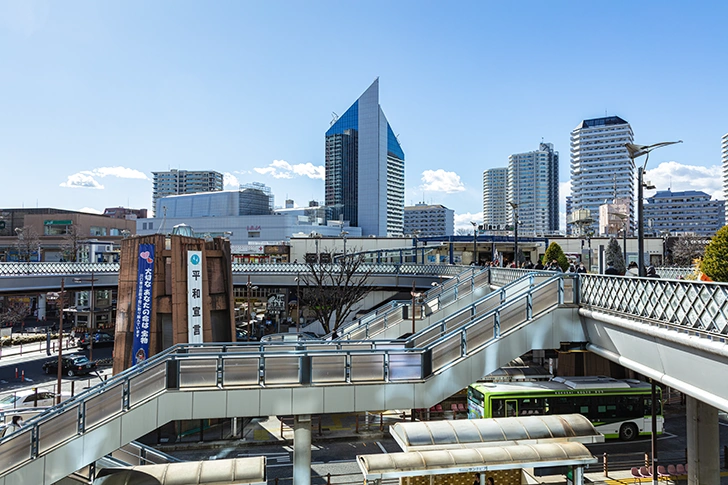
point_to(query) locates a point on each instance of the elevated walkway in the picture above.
(238, 380)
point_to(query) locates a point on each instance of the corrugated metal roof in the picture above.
(469, 433)
(440, 462)
(236, 471)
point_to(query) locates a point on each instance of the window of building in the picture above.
(253, 234)
(98, 231)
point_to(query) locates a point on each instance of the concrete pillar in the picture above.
(302, 449)
(703, 443)
(42, 307)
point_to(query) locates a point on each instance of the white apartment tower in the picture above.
(533, 186)
(724, 157)
(601, 169)
(495, 213)
(429, 220)
(178, 182)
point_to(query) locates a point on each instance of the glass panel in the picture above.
(445, 352)
(281, 370)
(480, 333)
(103, 406)
(328, 368)
(544, 298)
(241, 371)
(15, 451)
(149, 383)
(405, 366)
(513, 315)
(62, 427)
(367, 367)
(198, 373)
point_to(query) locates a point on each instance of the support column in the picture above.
(703, 442)
(302, 449)
(578, 476)
(42, 307)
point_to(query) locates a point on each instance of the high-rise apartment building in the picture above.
(601, 169)
(495, 204)
(177, 182)
(365, 168)
(687, 212)
(569, 208)
(533, 186)
(724, 157)
(429, 220)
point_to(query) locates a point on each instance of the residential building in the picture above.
(365, 168)
(601, 169)
(569, 208)
(429, 220)
(533, 188)
(255, 199)
(614, 217)
(687, 212)
(125, 213)
(176, 182)
(495, 205)
(724, 158)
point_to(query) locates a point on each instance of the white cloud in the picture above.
(463, 221)
(86, 179)
(119, 172)
(81, 180)
(441, 181)
(230, 180)
(679, 177)
(281, 169)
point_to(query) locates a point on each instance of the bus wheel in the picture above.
(628, 432)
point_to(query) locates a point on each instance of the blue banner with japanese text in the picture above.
(143, 312)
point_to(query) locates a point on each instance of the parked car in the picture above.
(71, 365)
(100, 339)
(28, 398)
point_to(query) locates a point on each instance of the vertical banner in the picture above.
(143, 311)
(194, 297)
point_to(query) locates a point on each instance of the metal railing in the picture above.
(435, 298)
(674, 272)
(45, 268)
(504, 276)
(691, 306)
(241, 366)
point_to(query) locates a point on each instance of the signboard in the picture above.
(57, 223)
(277, 249)
(143, 310)
(194, 297)
(246, 248)
(276, 302)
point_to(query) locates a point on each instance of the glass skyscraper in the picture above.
(365, 169)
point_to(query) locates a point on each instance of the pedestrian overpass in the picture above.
(672, 331)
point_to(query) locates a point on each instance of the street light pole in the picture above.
(475, 242)
(636, 151)
(515, 232)
(60, 343)
(92, 313)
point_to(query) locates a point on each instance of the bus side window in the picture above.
(498, 408)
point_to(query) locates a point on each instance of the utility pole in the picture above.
(60, 343)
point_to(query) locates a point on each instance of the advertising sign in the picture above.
(143, 310)
(194, 297)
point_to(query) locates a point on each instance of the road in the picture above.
(32, 364)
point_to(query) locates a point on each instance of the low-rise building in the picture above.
(686, 212)
(429, 220)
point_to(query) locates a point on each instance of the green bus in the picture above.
(618, 408)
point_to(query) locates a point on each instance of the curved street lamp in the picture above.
(634, 152)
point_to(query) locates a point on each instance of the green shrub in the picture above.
(715, 260)
(554, 251)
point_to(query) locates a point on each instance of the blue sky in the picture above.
(97, 95)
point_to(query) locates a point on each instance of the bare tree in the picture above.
(463, 232)
(72, 243)
(27, 243)
(687, 248)
(330, 291)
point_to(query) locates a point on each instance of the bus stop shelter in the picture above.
(448, 451)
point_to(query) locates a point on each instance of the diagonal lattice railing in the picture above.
(693, 305)
(47, 268)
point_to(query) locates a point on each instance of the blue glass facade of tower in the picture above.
(365, 169)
